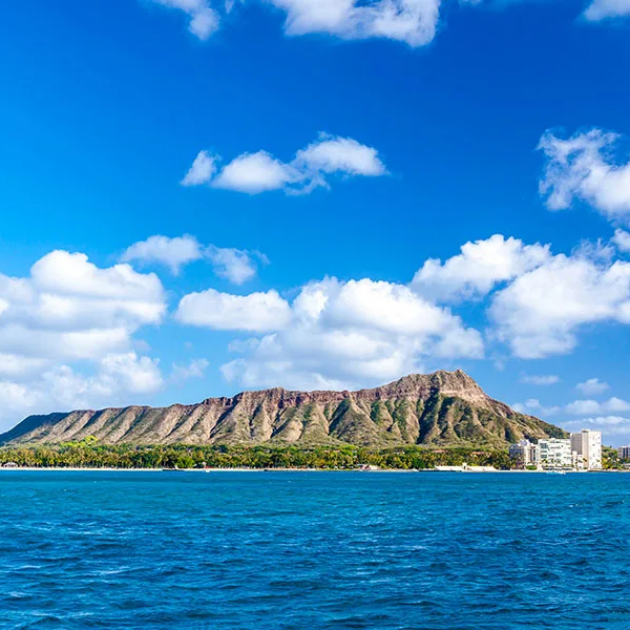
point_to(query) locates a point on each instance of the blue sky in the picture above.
(342, 147)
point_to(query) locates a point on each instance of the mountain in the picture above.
(440, 409)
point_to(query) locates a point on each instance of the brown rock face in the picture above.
(444, 408)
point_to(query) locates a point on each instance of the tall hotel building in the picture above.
(587, 447)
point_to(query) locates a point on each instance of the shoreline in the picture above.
(317, 470)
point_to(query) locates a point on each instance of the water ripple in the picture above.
(289, 551)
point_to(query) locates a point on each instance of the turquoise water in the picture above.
(270, 551)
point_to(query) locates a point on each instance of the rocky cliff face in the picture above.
(441, 409)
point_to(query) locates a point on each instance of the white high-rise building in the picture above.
(555, 453)
(587, 445)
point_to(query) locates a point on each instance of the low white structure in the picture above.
(555, 453)
(587, 446)
(466, 468)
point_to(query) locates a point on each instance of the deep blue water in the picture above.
(271, 551)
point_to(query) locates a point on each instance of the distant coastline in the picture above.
(267, 470)
(92, 455)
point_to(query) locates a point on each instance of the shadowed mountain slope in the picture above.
(440, 409)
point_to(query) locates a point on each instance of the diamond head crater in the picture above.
(430, 415)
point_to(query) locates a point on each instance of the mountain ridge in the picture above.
(439, 409)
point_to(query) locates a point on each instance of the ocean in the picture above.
(313, 550)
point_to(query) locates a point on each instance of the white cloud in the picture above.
(601, 421)
(202, 170)
(411, 21)
(533, 406)
(615, 429)
(172, 252)
(70, 308)
(592, 387)
(128, 372)
(254, 173)
(621, 240)
(235, 265)
(258, 172)
(347, 334)
(583, 167)
(63, 273)
(540, 312)
(204, 21)
(345, 155)
(575, 408)
(256, 312)
(606, 9)
(539, 301)
(195, 369)
(116, 380)
(67, 310)
(478, 269)
(542, 379)
(12, 365)
(361, 331)
(592, 407)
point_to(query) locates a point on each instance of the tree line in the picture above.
(90, 454)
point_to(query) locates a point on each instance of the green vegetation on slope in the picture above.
(441, 410)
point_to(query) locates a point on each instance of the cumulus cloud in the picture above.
(116, 379)
(537, 301)
(540, 379)
(196, 368)
(256, 312)
(258, 172)
(362, 331)
(172, 252)
(236, 265)
(478, 269)
(615, 429)
(592, 387)
(347, 334)
(335, 154)
(203, 20)
(621, 240)
(586, 167)
(600, 10)
(540, 312)
(534, 407)
(588, 407)
(68, 310)
(411, 21)
(254, 173)
(202, 170)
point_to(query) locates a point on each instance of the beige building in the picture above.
(525, 452)
(587, 446)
